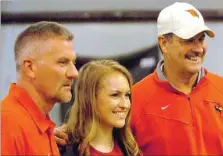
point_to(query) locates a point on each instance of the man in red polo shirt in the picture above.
(45, 56)
(177, 110)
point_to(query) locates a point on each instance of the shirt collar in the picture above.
(42, 122)
(162, 77)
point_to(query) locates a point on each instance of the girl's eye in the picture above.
(128, 95)
(114, 95)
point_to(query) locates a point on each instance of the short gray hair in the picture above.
(38, 32)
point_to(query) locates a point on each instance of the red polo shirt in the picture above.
(25, 130)
(115, 152)
(168, 122)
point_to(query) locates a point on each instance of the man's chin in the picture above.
(194, 71)
(64, 98)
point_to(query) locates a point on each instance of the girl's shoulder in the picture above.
(69, 150)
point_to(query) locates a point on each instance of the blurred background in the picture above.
(124, 30)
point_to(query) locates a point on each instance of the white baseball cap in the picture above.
(182, 19)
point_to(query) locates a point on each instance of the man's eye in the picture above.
(201, 39)
(62, 62)
(189, 41)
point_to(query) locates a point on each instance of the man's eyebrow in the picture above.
(204, 35)
(63, 58)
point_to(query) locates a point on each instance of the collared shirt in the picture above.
(25, 129)
(166, 122)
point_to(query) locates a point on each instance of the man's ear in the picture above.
(162, 41)
(29, 67)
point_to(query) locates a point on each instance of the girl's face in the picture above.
(113, 100)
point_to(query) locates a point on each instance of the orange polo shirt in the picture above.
(165, 121)
(24, 129)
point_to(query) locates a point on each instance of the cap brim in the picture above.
(189, 33)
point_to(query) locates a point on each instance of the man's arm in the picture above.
(11, 142)
(61, 136)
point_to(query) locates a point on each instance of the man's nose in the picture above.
(198, 46)
(72, 72)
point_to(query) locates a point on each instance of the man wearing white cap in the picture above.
(177, 110)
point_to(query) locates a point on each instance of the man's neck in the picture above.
(184, 82)
(38, 99)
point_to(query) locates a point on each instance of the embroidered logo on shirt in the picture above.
(218, 108)
(193, 13)
(165, 107)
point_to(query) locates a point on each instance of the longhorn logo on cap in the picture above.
(193, 13)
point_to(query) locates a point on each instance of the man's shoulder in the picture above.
(215, 79)
(146, 82)
(142, 93)
(13, 117)
(11, 123)
(9, 104)
(213, 76)
(13, 112)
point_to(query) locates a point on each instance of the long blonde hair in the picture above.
(83, 116)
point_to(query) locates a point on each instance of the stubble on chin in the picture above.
(64, 98)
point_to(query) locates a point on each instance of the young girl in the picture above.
(99, 120)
